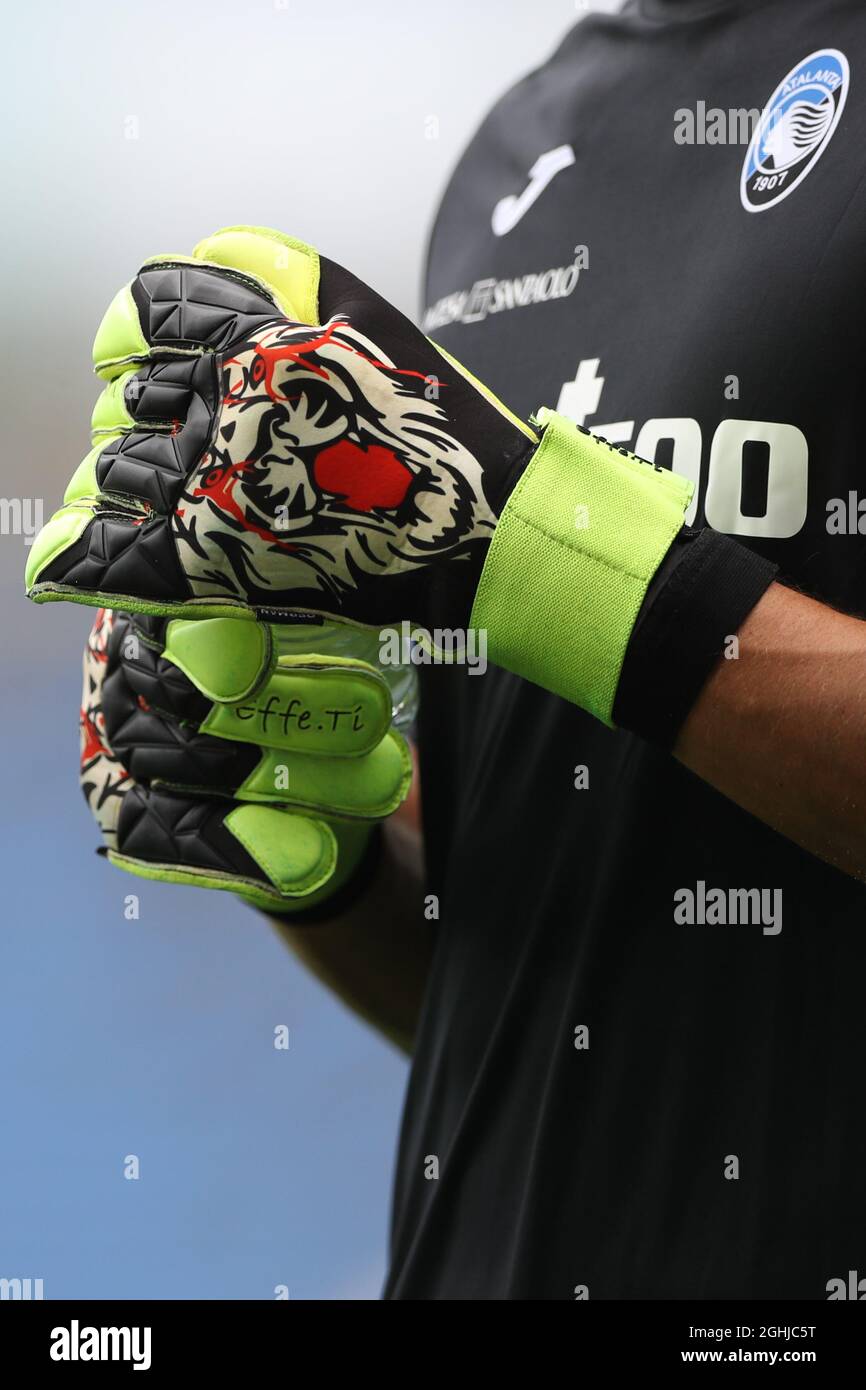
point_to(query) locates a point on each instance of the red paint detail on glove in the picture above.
(367, 479)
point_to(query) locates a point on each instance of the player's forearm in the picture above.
(376, 955)
(781, 729)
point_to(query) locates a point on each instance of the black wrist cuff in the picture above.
(701, 594)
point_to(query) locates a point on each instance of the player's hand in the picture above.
(209, 758)
(275, 437)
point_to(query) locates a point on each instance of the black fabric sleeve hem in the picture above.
(701, 594)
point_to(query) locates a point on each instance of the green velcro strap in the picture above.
(571, 559)
(366, 788)
(352, 841)
(296, 855)
(223, 658)
(327, 707)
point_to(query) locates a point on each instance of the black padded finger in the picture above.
(154, 464)
(163, 391)
(135, 647)
(154, 748)
(122, 555)
(151, 627)
(188, 306)
(163, 828)
(152, 713)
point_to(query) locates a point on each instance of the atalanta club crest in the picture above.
(795, 128)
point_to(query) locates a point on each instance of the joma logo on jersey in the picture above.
(795, 129)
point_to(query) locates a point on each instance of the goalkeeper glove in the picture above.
(210, 758)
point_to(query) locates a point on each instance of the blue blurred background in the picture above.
(129, 131)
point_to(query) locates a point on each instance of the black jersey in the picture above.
(611, 1096)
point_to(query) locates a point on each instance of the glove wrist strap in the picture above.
(571, 560)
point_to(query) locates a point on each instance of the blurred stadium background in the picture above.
(133, 130)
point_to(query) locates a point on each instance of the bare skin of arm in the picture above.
(375, 957)
(782, 729)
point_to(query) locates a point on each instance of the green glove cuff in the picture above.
(571, 559)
